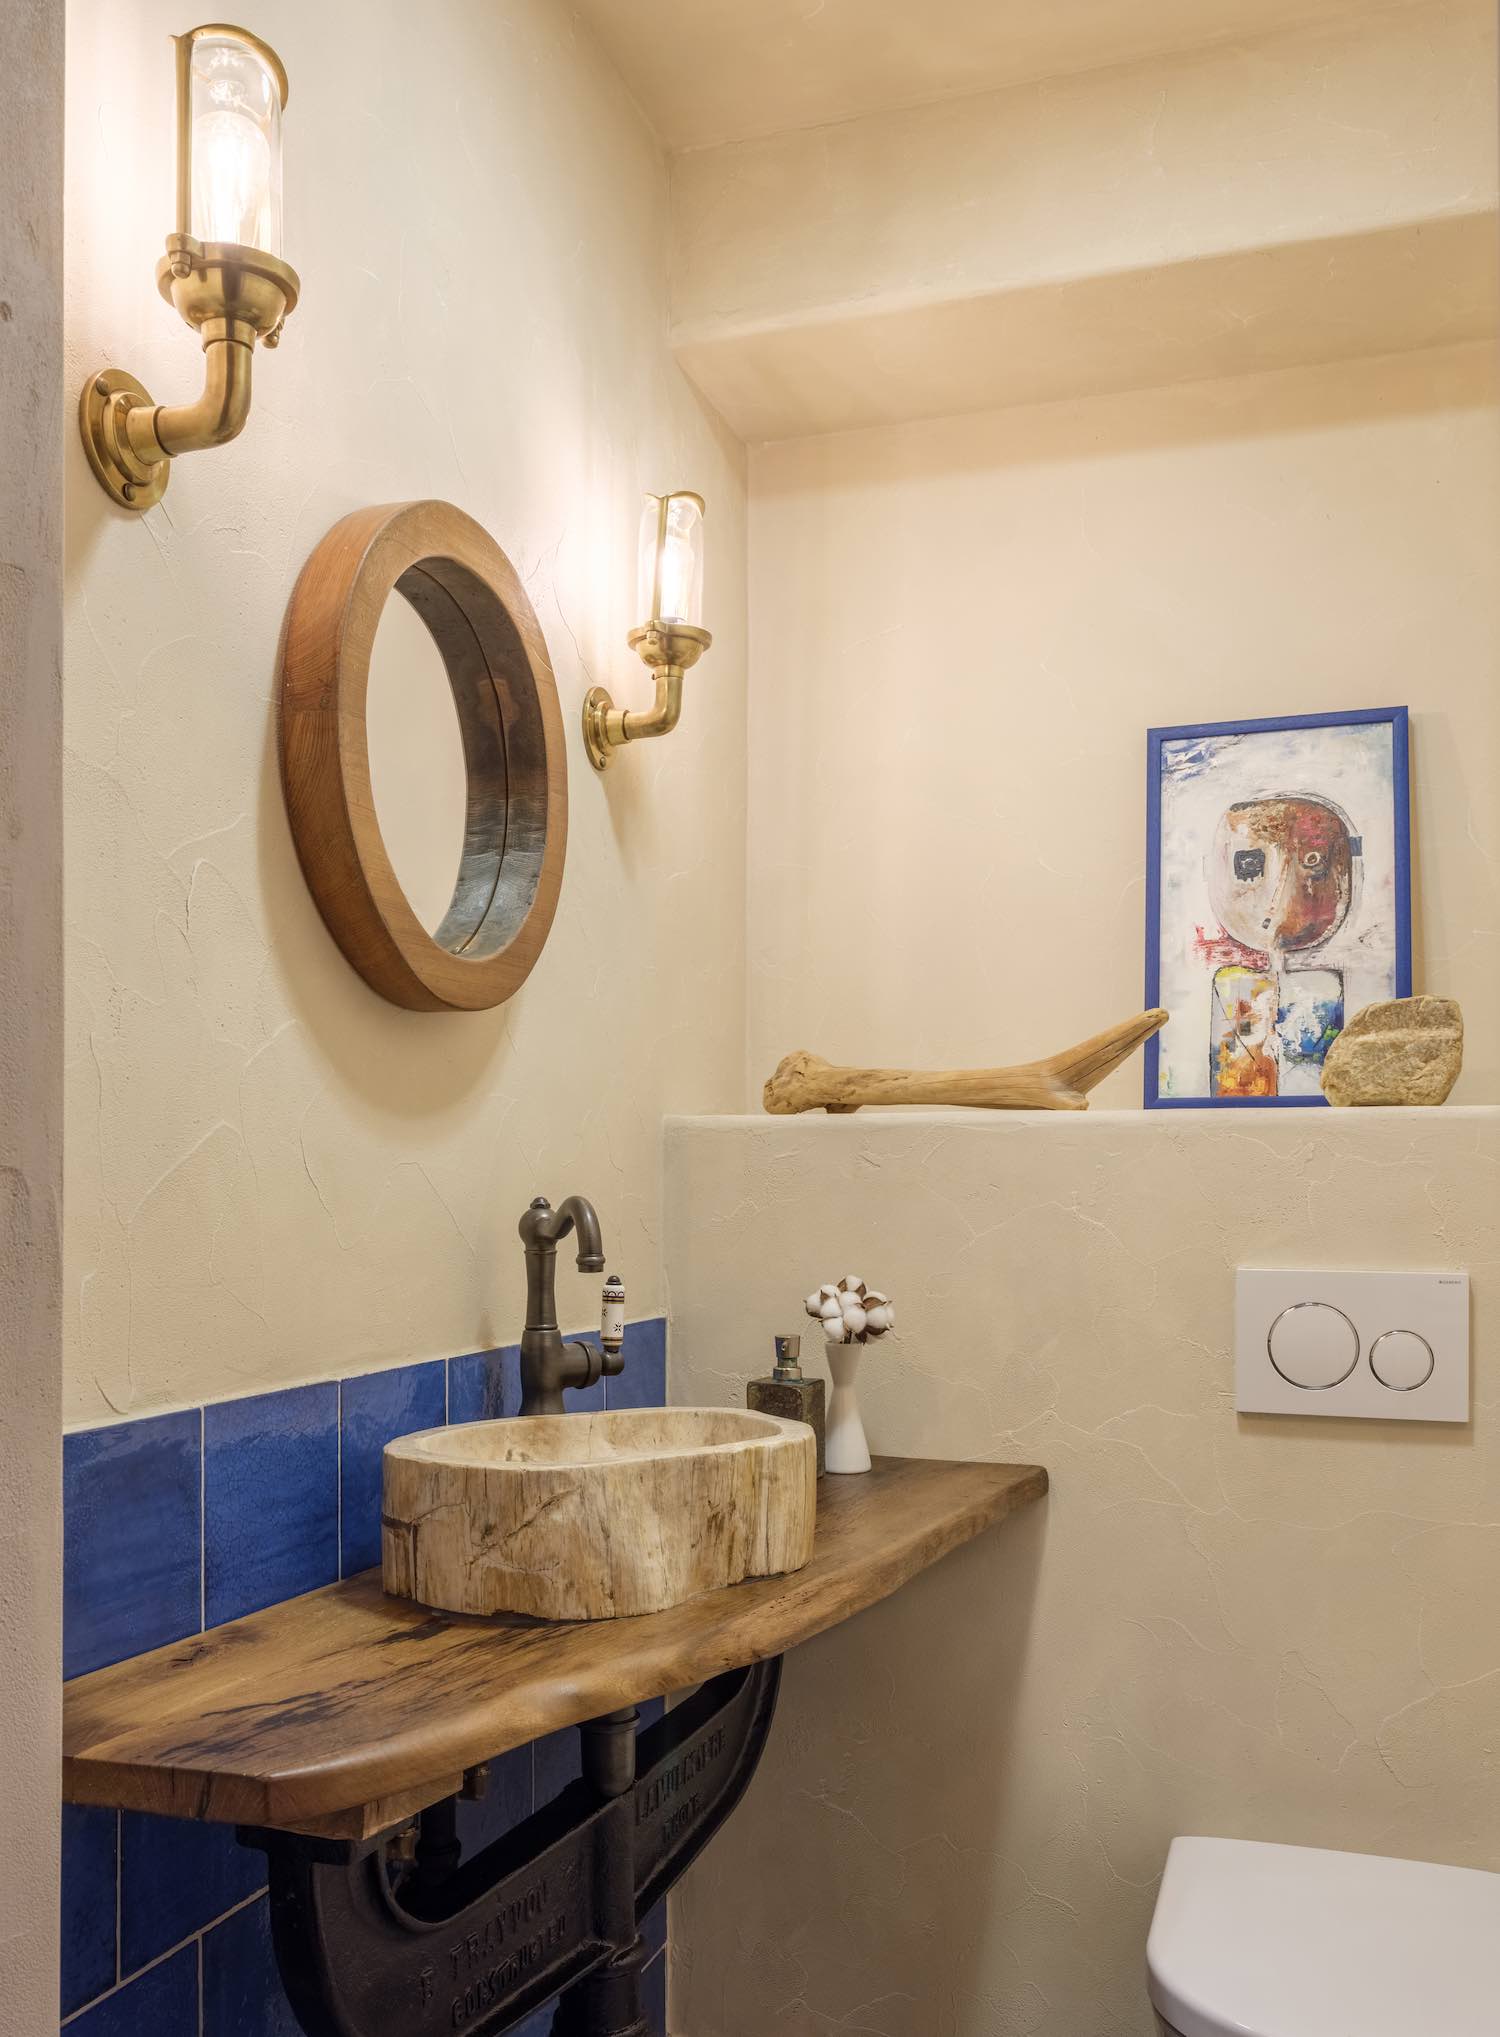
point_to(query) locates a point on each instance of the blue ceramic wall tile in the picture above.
(557, 1762)
(162, 2002)
(507, 1802)
(131, 1539)
(90, 1845)
(485, 1385)
(654, 1929)
(643, 1383)
(270, 1499)
(654, 1995)
(376, 1407)
(176, 1876)
(242, 1991)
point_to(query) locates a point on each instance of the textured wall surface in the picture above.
(1324, 193)
(1256, 1627)
(31, 984)
(947, 812)
(710, 71)
(1201, 154)
(273, 1175)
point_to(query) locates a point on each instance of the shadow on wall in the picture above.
(414, 1064)
(940, 1680)
(1269, 402)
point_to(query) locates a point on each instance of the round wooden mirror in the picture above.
(515, 822)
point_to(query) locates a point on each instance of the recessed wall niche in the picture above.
(515, 820)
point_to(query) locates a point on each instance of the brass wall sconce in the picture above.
(673, 640)
(222, 270)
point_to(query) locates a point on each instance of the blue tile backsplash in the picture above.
(90, 1855)
(270, 1499)
(373, 1409)
(176, 1522)
(176, 1876)
(158, 2003)
(242, 1993)
(132, 1552)
(485, 1385)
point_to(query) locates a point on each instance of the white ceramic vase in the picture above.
(845, 1446)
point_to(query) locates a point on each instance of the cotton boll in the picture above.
(814, 1304)
(874, 1298)
(854, 1319)
(878, 1320)
(828, 1290)
(833, 1330)
(852, 1284)
(830, 1310)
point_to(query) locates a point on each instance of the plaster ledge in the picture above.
(884, 360)
(1476, 1117)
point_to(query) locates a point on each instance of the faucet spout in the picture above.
(548, 1363)
(579, 1214)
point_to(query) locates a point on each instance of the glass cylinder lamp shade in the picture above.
(231, 93)
(671, 559)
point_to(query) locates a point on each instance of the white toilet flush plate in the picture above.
(1390, 1347)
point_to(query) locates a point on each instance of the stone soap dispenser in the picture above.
(788, 1394)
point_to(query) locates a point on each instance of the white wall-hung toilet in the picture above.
(1250, 1940)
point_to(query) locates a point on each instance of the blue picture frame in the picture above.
(1156, 739)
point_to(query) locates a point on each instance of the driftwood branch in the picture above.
(1062, 1082)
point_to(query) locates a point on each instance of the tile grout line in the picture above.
(161, 1958)
(203, 1520)
(119, 1885)
(339, 1476)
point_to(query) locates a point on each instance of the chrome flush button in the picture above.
(1352, 1344)
(1313, 1346)
(1401, 1360)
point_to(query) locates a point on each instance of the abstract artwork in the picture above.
(1278, 899)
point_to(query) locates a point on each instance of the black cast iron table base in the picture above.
(553, 1908)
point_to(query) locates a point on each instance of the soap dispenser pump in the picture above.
(788, 1393)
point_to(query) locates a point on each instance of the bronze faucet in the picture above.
(548, 1364)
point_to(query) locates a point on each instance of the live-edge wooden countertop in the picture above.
(343, 1711)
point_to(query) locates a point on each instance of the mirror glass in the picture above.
(416, 751)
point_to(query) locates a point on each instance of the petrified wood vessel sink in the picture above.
(595, 1517)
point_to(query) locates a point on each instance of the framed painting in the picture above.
(1278, 899)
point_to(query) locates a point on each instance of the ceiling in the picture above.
(708, 71)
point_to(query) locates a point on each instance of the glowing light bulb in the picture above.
(671, 559)
(236, 143)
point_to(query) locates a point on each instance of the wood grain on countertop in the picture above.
(345, 1710)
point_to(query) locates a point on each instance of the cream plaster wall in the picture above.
(1260, 1627)
(711, 71)
(31, 972)
(273, 1174)
(963, 629)
(1324, 192)
(1194, 155)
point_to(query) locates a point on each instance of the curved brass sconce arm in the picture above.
(232, 296)
(233, 87)
(670, 649)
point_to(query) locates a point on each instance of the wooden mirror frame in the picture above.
(516, 829)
